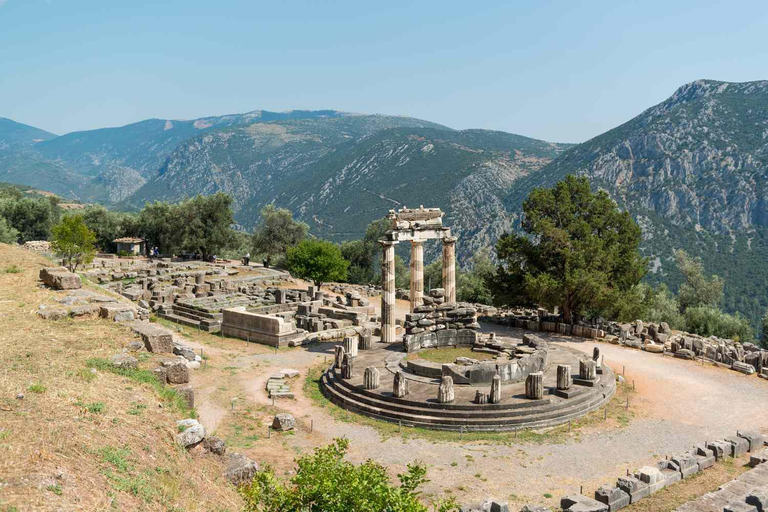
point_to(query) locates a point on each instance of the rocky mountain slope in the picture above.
(14, 136)
(692, 170)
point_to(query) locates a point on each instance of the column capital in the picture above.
(449, 240)
(386, 243)
(417, 242)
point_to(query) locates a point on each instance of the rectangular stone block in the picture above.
(579, 503)
(156, 339)
(758, 458)
(652, 477)
(614, 497)
(671, 476)
(705, 457)
(720, 449)
(686, 464)
(446, 338)
(636, 489)
(739, 445)
(755, 439)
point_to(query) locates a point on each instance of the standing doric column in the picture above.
(449, 269)
(387, 291)
(417, 273)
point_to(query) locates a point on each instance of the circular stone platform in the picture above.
(420, 407)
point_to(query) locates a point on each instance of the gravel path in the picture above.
(677, 403)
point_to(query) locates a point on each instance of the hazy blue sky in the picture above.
(561, 71)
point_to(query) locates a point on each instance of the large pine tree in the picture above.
(577, 253)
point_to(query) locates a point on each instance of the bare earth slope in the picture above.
(79, 440)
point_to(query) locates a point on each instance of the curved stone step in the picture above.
(347, 398)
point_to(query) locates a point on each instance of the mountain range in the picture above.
(692, 170)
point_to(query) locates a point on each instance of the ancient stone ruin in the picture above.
(520, 384)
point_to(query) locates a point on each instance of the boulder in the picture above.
(215, 445)
(284, 422)
(240, 469)
(124, 361)
(191, 432)
(176, 371)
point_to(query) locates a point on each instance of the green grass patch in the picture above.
(57, 489)
(448, 355)
(12, 269)
(167, 394)
(37, 387)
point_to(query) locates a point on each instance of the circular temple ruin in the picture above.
(522, 383)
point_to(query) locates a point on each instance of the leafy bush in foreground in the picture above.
(325, 482)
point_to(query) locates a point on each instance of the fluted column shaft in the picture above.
(388, 292)
(449, 269)
(417, 274)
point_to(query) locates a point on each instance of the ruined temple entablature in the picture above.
(417, 224)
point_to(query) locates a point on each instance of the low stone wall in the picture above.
(648, 480)
(265, 329)
(513, 370)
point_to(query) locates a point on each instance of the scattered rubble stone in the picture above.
(191, 432)
(283, 422)
(215, 445)
(240, 469)
(124, 361)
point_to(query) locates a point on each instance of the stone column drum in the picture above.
(350, 345)
(534, 386)
(417, 273)
(588, 370)
(563, 376)
(445, 391)
(400, 385)
(495, 396)
(449, 269)
(388, 292)
(371, 378)
(346, 367)
(338, 357)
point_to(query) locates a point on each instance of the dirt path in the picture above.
(677, 404)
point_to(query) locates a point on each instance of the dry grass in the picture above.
(692, 488)
(85, 441)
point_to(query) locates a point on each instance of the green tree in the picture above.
(764, 325)
(162, 225)
(8, 235)
(32, 217)
(207, 222)
(109, 225)
(318, 261)
(697, 290)
(472, 285)
(277, 232)
(73, 241)
(709, 321)
(364, 255)
(578, 251)
(326, 482)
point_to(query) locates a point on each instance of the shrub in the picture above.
(708, 321)
(326, 482)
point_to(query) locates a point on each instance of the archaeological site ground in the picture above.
(164, 384)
